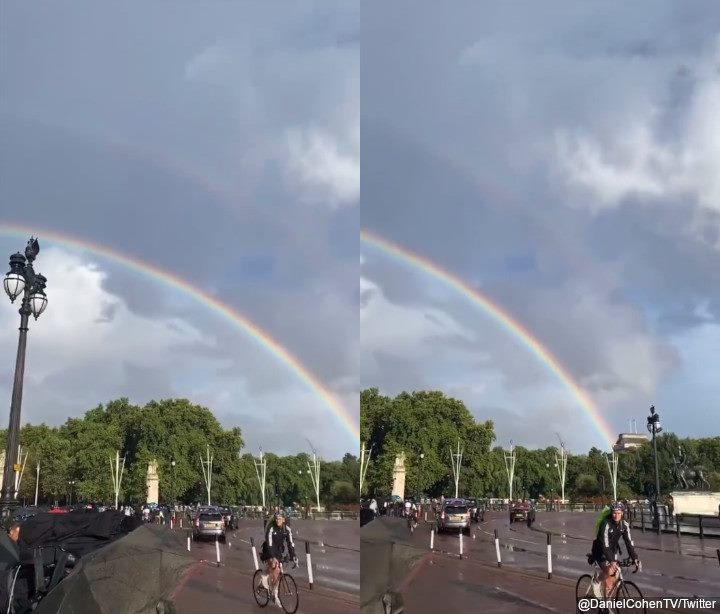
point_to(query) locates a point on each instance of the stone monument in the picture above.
(399, 476)
(692, 491)
(153, 482)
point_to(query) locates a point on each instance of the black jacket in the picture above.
(278, 537)
(607, 541)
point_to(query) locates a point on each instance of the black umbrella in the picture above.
(135, 574)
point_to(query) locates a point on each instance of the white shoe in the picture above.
(277, 601)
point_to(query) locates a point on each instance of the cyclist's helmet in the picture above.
(280, 514)
(617, 506)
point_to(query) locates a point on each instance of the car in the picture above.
(455, 515)
(209, 524)
(519, 511)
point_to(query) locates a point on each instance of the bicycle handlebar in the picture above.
(630, 563)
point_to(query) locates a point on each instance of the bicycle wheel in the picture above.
(262, 595)
(582, 590)
(629, 590)
(288, 594)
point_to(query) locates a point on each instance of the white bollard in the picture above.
(188, 537)
(309, 563)
(461, 544)
(549, 556)
(254, 551)
(497, 549)
(425, 516)
(217, 551)
(432, 538)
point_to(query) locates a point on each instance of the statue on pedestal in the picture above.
(687, 477)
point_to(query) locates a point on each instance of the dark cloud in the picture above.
(219, 144)
(606, 251)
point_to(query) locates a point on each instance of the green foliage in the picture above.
(83, 449)
(428, 422)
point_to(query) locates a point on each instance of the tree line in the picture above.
(81, 449)
(429, 423)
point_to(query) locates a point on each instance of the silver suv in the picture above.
(209, 524)
(455, 515)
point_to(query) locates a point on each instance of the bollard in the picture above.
(702, 536)
(677, 525)
(718, 554)
(549, 555)
(461, 544)
(254, 551)
(425, 516)
(432, 538)
(217, 551)
(188, 538)
(181, 522)
(642, 519)
(309, 563)
(497, 549)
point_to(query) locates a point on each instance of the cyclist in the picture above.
(277, 537)
(606, 545)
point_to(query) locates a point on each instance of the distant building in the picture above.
(628, 441)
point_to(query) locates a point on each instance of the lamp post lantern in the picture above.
(20, 281)
(653, 426)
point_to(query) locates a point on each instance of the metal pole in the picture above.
(456, 462)
(657, 484)
(510, 469)
(37, 483)
(422, 457)
(8, 499)
(364, 462)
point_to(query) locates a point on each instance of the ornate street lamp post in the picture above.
(21, 280)
(653, 425)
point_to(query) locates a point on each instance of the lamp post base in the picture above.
(7, 508)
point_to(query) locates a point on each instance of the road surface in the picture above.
(334, 547)
(395, 558)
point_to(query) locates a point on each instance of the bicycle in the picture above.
(286, 589)
(623, 589)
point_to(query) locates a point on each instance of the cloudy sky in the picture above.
(563, 159)
(220, 142)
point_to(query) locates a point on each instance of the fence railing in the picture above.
(643, 518)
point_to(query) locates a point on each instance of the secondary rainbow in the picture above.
(225, 311)
(500, 316)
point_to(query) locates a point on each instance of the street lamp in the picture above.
(71, 483)
(172, 496)
(422, 456)
(21, 280)
(653, 426)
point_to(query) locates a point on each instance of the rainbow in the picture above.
(226, 312)
(498, 315)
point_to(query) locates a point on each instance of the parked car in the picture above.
(454, 515)
(209, 524)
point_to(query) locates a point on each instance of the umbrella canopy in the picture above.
(131, 575)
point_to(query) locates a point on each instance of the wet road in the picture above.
(334, 546)
(671, 567)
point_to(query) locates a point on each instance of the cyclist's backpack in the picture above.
(605, 513)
